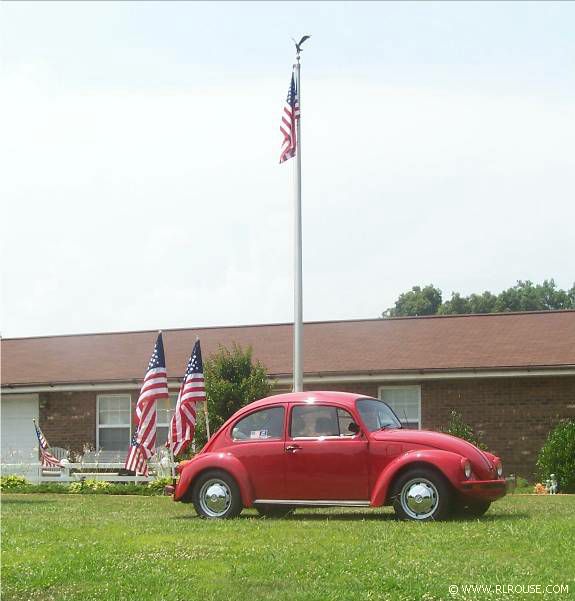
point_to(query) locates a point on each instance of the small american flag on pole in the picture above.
(192, 391)
(136, 461)
(155, 387)
(288, 125)
(46, 458)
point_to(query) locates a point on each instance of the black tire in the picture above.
(421, 494)
(225, 500)
(473, 509)
(274, 511)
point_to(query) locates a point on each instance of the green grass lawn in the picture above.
(142, 548)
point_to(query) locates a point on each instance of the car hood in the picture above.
(480, 462)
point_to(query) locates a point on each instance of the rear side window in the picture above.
(314, 421)
(261, 425)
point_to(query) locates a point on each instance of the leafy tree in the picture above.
(456, 306)
(232, 381)
(474, 303)
(524, 296)
(418, 301)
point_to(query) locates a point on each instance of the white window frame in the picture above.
(410, 387)
(129, 396)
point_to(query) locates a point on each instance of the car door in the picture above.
(324, 459)
(257, 440)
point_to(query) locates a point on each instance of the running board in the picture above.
(312, 503)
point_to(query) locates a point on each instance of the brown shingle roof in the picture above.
(511, 340)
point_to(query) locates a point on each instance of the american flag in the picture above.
(46, 458)
(192, 391)
(288, 126)
(155, 387)
(136, 461)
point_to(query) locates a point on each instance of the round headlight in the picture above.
(500, 469)
(467, 469)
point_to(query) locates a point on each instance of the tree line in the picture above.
(524, 296)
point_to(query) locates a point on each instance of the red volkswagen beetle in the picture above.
(319, 449)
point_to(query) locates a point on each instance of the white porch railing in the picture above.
(74, 472)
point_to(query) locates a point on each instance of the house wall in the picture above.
(513, 415)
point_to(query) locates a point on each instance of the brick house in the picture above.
(511, 376)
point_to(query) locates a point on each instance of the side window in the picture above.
(310, 421)
(260, 425)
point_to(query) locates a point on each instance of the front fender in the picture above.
(448, 463)
(215, 461)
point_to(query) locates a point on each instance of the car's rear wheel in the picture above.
(216, 495)
(473, 509)
(422, 495)
(274, 511)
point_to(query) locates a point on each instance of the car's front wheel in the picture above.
(421, 494)
(216, 495)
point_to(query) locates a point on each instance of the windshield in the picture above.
(376, 415)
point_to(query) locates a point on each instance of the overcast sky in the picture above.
(140, 184)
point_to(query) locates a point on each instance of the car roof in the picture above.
(342, 398)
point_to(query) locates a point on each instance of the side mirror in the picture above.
(353, 427)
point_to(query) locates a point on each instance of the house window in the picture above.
(405, 402)
(165, 409)
(113, 422)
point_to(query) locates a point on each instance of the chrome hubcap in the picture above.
(419, 498)
(215, 497)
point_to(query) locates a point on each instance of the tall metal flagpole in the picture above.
(298, 292)
(206, 416)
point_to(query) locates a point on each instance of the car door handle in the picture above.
(292, 448)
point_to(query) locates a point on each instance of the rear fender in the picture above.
(215, 461)
(448, 463)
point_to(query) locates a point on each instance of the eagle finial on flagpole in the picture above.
(298, 45)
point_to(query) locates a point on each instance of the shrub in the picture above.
(457, 427)
(12, 482)
(75, 488)
(98, 485)
(159, 484)
(557, 456)
(91, 487)
(87, 487)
